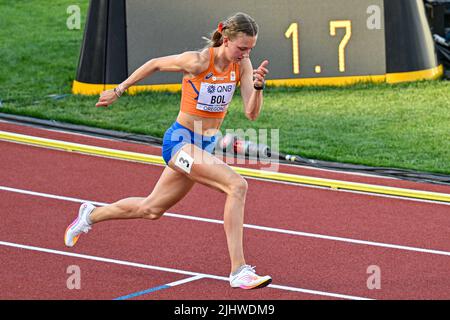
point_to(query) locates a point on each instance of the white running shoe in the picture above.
(248, 279)
(80, 224)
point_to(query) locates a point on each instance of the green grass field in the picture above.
(401, 126)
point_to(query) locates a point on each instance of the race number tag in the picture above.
(184, 162)
(215, 97)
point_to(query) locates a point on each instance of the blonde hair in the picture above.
(238, 23)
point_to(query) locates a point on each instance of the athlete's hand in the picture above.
(260, 74)
(106, 98)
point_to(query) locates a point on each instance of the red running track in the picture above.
(294, 260)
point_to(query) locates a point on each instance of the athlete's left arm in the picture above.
(253, 99)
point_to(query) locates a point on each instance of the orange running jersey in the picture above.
(209, 93)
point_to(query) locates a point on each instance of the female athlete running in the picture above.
(210, 79)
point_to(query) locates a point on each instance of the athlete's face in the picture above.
(240, 47)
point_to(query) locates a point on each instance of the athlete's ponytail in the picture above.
(216, 39)
(231, 27)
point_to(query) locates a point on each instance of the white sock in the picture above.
(239, 270)
(88, 217)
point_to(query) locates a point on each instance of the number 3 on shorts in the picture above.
(184, 162)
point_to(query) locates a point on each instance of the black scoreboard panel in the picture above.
(300, 38)
(306, 41)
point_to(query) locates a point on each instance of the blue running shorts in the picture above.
(177, 136)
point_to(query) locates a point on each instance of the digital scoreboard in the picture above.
(306, 41)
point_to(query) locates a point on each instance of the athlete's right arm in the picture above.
(187, 62)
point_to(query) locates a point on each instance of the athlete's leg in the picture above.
(210, 171)
(171, 187)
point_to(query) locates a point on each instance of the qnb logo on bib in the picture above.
(211, 89)
(215, 97)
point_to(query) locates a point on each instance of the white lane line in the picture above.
(314, 292)
(177, 283)
(250, 226)
(195, 275)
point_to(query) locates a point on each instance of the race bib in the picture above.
(215, 97)
(184, 161)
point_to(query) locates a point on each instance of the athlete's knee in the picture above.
(238, 187)
(150, 212)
